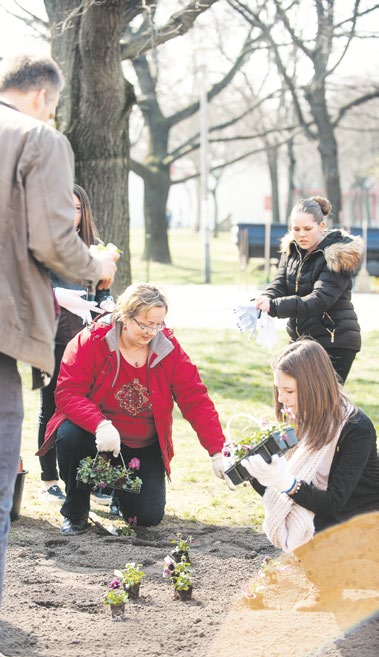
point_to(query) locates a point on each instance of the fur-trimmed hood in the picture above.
(343, 252)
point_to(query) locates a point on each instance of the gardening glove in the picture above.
(108, 304)
(219, 469)
(108, 438)
(246, 319)
(72, 301)
(273, 474)
(266, 331)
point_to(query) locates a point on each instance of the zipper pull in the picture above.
(332, 336)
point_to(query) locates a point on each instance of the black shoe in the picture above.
(71, 528)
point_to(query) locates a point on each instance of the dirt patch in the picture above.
(52, 599)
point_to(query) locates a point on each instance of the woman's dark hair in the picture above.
(86, 229)
(317, 206)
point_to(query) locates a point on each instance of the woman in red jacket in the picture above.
(116, 391)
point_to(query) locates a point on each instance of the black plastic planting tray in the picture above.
(278, 442)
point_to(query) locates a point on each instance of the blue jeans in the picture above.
(11, 416)
(74, 444)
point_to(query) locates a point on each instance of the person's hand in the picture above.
(107, 261)
(108, 438)
(72, 300)
(219, 469)
(273, 474)
(263, 303)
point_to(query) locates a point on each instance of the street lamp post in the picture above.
(204, 170)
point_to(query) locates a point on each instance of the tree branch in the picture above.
(134, 44)
(354, 103)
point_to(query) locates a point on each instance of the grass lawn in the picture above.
(187, 253)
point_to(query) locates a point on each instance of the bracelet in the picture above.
(291, 487)
(297, 488)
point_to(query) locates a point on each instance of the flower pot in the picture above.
(17, 494)
(183, 595)
(278, 442)
(255, 602)
(118, 611)
(132, 591)
(178, 555)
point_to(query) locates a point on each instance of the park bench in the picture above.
(250, 240)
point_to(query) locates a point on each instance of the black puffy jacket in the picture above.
(314, 290)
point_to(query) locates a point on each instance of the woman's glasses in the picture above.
(148, 329)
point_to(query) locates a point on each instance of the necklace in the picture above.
(135, 358)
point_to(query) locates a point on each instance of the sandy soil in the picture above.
(52, 601)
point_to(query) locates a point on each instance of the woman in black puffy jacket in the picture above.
(313, 283)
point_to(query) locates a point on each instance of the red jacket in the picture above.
(89, 370)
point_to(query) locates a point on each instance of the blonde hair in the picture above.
(321, 402)
(138, 298)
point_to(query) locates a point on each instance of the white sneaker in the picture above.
(52, 495)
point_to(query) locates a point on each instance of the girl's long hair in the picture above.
(86, 229)
(321, 402)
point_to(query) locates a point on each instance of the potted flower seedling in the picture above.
(180, 576)
(267, 439)
(130, 577)
(270, 569)
(116, 597)
(100, 472)
(253, 594)
(182, 548)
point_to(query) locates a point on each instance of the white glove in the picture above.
(218, 465)
(273, 474)
(72, 301)
(108, 304)
(108, 438)
(246, 319)
(266, 331)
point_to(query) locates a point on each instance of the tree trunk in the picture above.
(94, 111)
(155, 174)
(155, 206)
(328, 149)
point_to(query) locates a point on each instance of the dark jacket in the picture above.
(314, 290)
(89, 371)
(353, 485)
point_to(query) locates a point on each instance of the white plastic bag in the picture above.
(266, 331)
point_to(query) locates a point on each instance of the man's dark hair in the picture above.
(30, 72)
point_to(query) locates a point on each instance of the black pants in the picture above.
(74, 444)
(342, 360)
(48, 462)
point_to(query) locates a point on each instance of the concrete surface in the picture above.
(207, 306)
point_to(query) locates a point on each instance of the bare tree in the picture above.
(95, 107)
(323, 49)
